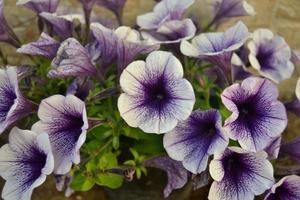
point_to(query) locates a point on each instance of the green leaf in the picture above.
(107, 161)
(112, 181)
(82, 183)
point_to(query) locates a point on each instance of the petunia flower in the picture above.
(166, 10)
(288, 188)
(104, 46)
(39, 6)
(130, 45)
(166, 24)
(72, 59)
(270, 55)
(156, 96)
(80, 88)
(192, 141)
(172, 32)
(217, 48)
(45, 46)
(257, 116)
(6, 33)
(65, 121)
(61, 26)
(226, 9)
(13, 105)
(24, 163)
(63, 182)
(115, 6)
(239, 174)
(177, 175)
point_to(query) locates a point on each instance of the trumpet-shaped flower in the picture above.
(226, 9)
(239, 174)
(24, 163)
(217, 48)
(45, 46)
(288, 188)
(13, 106)
(72, 59)
(166, 24)
(65, 121)
(39, 6)
(156, 96)
(257, 116)
(270, 55)
(195, 139)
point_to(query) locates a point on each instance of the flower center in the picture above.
(246, 110)
(156, 93)
(264, 56)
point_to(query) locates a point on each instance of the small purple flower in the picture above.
(130, 45)
(177, 175)
(288, 188)
(45, 46)
(65, 121)
(13, 106)
(166, 24)
(270, 55)
(156, 96)
(39, 6)
(72, 59)
(6, 33)
(172, 32)
(292, 149)
(80, 88)
(62, 26)
(225, 9)
(217, 48)
(24, 163)
(239, 174)
(257, 116)
(195, 139)
(104, 47)
(166, 10)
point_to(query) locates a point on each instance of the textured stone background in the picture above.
(282, 16)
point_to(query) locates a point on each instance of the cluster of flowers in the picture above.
(156, 98)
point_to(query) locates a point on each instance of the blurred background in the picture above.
(281, 16)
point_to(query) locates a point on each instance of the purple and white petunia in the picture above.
(177, 175)
(13, 105)
(288, 188)
(217, 48)
(65, 121)
(72, 59)
(166, 24)
(61, 26)
(39, 6)
(239, 174)
(273, 148)
(104, 47)
(257, 116)
(45, 46)
(226, 9)
(156, 96)
(6, 33)
(192, 141)
(270, 55)
(166, 10)
(130, 45)
(24, 163)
